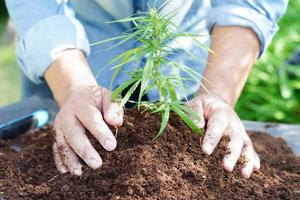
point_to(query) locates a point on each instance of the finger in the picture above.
(249, 155)
(216, 127)
(77, 139)
(235, 146)
(67, 155)
(112, 112)
(249, 143)
(257, 162)
(58, 161)
(197, 107)
(92, 119)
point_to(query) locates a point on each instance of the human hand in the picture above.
(220, 120)
(91, 108)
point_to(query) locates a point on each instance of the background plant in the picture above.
(272, 92)
(154, 31)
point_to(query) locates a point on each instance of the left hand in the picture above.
(220, 120)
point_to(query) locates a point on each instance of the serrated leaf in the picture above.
(116, 93)
(151, 86)
(126, 58)
(179, 80)
(192, 73)
(145, 78)
(128, 37)
(172, 91)
(189, 111)
(188, 121)
(160, 108)
(164, 121)
(108, 40)
(129, 93)
(127, 19)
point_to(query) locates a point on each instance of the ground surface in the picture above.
(173, 167)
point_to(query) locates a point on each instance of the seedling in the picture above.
(154, 31)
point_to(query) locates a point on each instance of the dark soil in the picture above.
(173, 167)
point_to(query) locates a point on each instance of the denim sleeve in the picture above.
(260, 16)
(45, 28)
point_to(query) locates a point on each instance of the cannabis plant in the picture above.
(154, 31)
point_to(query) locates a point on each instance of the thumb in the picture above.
(197, 106)
(112, 111)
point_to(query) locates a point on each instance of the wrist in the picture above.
(235, 51)
(225, 95)
(206, 93)
(68, 73)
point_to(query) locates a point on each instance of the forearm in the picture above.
(236, 50)
(68, 72)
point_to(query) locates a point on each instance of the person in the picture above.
(54, 55)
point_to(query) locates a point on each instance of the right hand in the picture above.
(87, 108)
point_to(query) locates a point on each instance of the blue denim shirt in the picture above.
(47, 27)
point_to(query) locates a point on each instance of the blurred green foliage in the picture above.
(9, 76)
(272, 92)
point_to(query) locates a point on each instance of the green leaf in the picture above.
(172, 91)
(193, 37)
(192, 73)
(116, 93)
(151, 86)
(126, 58)
(127, 19)
(179, 80)
(164, 121)
(129, 93)
(125, 55)
(108, 40)
(188, 121)
(203, 46)
(145, 78)
(163, 5)
(128, 37)
(189, 111)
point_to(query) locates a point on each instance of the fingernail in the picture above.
(63, 170)
(206, 148)
(117, 120)
(109, 145)
(246, 174)
(95, 163)
(228, 166)
(201, 124)
(77, 172)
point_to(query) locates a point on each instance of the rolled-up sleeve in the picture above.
(260, 16)
(45, 28)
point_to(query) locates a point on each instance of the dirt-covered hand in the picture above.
(220, 119)
(88, 108)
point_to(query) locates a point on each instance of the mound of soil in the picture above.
(172, 167)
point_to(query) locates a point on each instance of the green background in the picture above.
(272, 92)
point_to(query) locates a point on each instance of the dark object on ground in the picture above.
(173, 167)
(25, 115)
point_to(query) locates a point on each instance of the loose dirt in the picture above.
(172, 167)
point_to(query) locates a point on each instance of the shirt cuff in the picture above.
(42, 44)
(233, 15)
